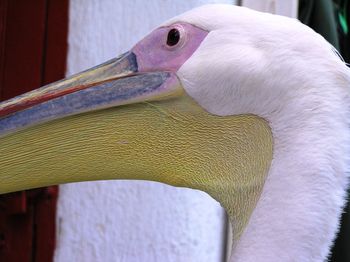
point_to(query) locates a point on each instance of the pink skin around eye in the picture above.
(153, 54)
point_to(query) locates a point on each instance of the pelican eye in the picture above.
(173, 37)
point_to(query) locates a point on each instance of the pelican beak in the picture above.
(114, 83)
(116, 122)
(68, 131)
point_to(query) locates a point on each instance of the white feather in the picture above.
(281, 70)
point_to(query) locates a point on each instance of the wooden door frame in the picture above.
(33, 51)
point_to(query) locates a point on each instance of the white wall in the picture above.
(281, 7)
(123, 220)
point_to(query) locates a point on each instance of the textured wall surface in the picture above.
(280, 7)
(131, 220)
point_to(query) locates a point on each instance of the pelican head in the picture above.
(249, 107)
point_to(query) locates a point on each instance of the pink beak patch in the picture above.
(153, 53)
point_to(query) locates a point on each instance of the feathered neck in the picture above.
(297, 215)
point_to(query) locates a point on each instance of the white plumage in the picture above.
(241, 62)
(279, 69)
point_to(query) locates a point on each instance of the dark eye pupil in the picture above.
(173, 37)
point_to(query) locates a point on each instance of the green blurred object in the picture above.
(331, 20)
(344, 25)
(319, 15)
(342, 9)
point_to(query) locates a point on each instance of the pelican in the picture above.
(249, 107)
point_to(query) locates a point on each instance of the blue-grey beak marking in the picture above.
(116, 82)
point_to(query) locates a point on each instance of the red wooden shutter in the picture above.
(33, 50)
